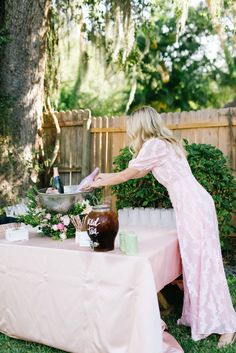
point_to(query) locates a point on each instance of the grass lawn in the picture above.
(181, 333)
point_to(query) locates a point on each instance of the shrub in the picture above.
(143, 192)
(209, 166)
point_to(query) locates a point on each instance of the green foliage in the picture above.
(111, 105)
(136, 192)
(12, 345)
(209, 166)
(95, 196)
(171, 76)
(4, 34)
(175, 76)
(101, 17)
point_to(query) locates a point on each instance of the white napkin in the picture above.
(82, 238)
(16, 234)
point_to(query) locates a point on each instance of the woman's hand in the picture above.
(97, 181)
(93, 185)
(103, 176)
(106, 179)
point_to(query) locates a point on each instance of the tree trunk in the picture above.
(22, 66)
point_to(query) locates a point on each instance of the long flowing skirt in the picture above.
(207, 304)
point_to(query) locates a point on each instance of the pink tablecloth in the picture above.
(72, 298)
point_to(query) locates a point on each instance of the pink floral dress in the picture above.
(207, 305)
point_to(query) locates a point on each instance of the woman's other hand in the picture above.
(102, 176)
(93, 185)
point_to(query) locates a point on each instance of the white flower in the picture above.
(62, 236)
(66, 220)
(39, 210)
(48, 216)
(85, 202)
(87, 209)
(54, 227)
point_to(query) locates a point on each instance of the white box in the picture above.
(16, 234)
(82, 238)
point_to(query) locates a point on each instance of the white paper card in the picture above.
(16, 234)
(82, 238)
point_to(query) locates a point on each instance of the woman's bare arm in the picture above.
(116, 178)
(104, 176)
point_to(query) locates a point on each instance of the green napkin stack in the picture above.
(128, 242)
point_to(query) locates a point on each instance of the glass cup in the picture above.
(122, 238)
(131, 243)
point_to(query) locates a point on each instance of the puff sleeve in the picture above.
(152, 154)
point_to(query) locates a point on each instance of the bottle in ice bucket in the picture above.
(102, 227)
(57, 183)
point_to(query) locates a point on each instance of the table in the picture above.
(59, 294)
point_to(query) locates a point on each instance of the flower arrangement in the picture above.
(51, 223)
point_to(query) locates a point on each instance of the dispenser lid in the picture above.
(101, 207)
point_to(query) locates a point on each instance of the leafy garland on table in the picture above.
(53, 224)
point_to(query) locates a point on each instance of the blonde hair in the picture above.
(145, 123)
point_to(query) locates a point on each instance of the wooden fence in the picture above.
(74, 143)
(216, 127)
(87, 142)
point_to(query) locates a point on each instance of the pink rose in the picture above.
(66, 220)
(48, 216)
(60, 226)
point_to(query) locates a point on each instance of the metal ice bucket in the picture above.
(61, 203)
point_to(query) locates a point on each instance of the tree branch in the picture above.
(58, 133)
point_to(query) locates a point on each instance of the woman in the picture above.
(207, 304)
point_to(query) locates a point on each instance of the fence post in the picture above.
(232, 139)
(86, 155)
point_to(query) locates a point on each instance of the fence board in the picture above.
(74, 155)
(93, 151)
(110, 145)
(204, 126)
(104, 145)
(172, 126)
(86, 142)
(83, 147)
(223, 133)
(99, 143)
